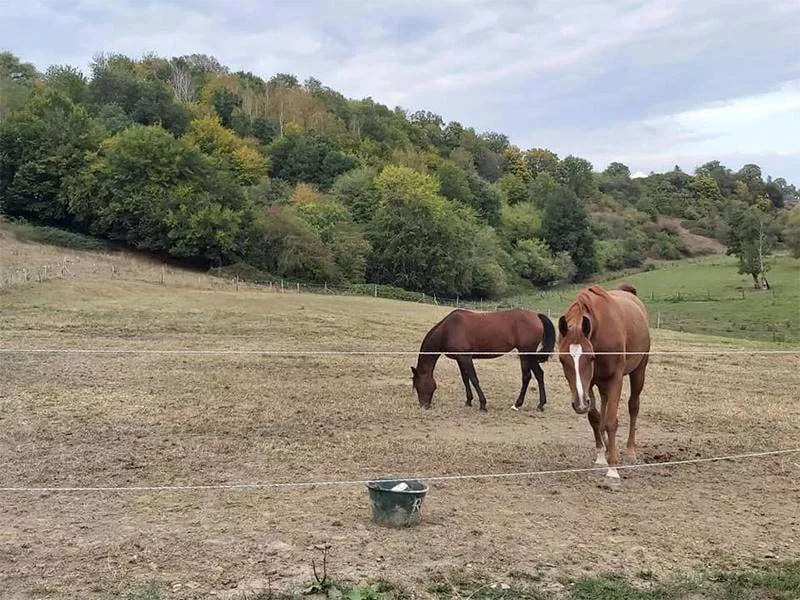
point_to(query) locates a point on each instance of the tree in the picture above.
(565, 228)
(542, 160)
(576, 174)
(617, 170)
(299, 156)
(521, 222)
(485, 199)
(454, 183)
(350, 251)
(17, 80)
(420, 240)
(495, 142)
(516, 165)
(534, 262)
(719, 173)
(227, 150)
(751, 243)
(69, 81)
(155, 192)
(489, 164)
(515, 190)
(356, 189)
(40, 146)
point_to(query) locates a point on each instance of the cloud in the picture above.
(653, 82)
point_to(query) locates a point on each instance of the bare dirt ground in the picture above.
(696, 243)
(153, 419)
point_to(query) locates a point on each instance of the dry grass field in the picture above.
(88, 419)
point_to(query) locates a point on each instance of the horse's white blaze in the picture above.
(612, 472)
(575, 351)
(601, 459)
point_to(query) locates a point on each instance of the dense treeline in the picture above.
(184, 157)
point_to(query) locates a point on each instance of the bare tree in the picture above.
(181, 81)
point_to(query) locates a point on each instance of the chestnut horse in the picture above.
(463, 335)
(604, 336)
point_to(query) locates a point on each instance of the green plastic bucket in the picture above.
(396, 507)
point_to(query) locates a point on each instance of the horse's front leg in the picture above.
(595, 420)
(610, 391)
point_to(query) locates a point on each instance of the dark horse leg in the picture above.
(539, 374)
(463, 367)
(637, 383)
(473, 377)
(525, 363)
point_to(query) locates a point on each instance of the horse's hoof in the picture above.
(515, 408)
(540, 408)
(484, 409)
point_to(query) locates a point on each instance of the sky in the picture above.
(651, 84)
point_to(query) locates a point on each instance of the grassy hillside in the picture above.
(707, 296)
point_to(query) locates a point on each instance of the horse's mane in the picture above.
(584, 302)
(431, 332)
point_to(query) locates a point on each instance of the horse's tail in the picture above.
(549, 339)
(627, 287)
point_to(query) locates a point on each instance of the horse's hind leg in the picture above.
(637, 383)
(462, 366)
(539, 374)
(473, 377)
(526, 379)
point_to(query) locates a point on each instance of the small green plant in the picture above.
(150, 591)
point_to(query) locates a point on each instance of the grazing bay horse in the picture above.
(604, 336)
(463, 335)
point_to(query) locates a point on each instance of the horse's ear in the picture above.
(414, 371)
(563, 328)
(586, 326)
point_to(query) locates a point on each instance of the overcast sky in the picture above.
(651, 84)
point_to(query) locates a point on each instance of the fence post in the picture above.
(376, 290)
(237, 283)
(163, 272)
(457, 298)
(658, 320)
(326, 287)
(281, 283)
(298, 288)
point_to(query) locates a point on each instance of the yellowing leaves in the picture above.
(208, 134)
